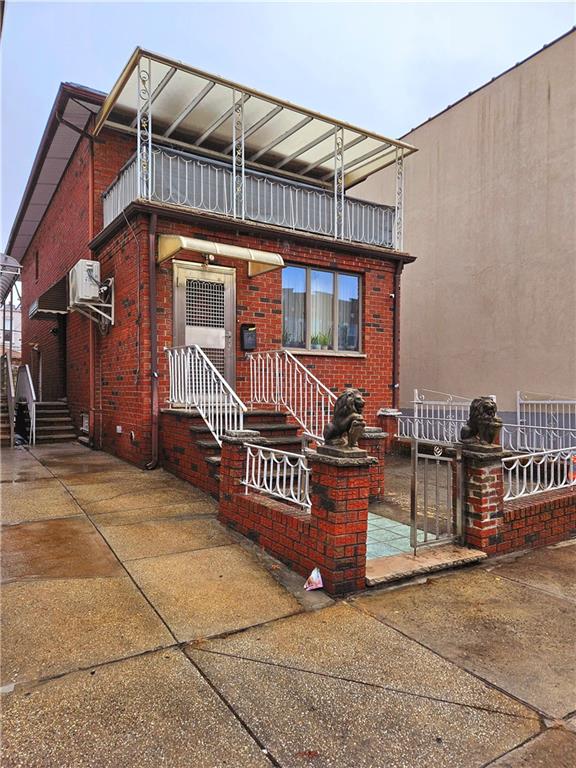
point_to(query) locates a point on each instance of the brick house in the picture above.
(224, 217)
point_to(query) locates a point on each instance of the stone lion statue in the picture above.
(483, 425)
(348, 421)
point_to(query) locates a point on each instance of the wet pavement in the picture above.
(137, 631)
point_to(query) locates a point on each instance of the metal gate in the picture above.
(204, 312)
(435, 494)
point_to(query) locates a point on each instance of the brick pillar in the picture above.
(374, 441)
(483, 500)
(232, 468)
(388, 422)
(340, 488)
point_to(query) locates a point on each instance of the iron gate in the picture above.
(435, 494)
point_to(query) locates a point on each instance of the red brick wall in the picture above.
(528, 523)
(61, 239)
(498, 527)
(123, 357)
(259, 301)
(180, 455)
(123, 390)
(332, 536)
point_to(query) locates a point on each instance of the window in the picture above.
(320, 309)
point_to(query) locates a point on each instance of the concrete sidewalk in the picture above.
(136, 631)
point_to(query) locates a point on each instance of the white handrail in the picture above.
(533, 473)
(280, 473)
(6, 372)
(25, 392)
(196, 383)
(278, 378)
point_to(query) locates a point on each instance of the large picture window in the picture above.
(320, 309)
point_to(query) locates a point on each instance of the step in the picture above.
(56, 437)
(276, 442)
(53, 419)
(383, 570)
(55, 431)
(269, 427)
(213, 460)
(52, 403)
(263, 414)
(55, 428)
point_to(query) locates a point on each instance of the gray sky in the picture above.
(383, 66)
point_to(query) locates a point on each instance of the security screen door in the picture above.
(204, 312)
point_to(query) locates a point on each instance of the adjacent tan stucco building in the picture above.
(489, 307)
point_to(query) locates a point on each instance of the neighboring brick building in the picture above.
(254, 173)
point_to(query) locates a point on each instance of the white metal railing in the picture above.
(25, 393)
(439, 418)
(278, 378)
(121, 192)
(533, 473)
(179, 178)
(549, 411)
(280, 473)
(196, 383)
(7, 384)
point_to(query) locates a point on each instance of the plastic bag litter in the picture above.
(314, 581)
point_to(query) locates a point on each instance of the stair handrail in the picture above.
(25, 392)
(10, 391)
(278, 378)
(195, 382)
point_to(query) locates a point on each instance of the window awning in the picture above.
(258, 261)
(52, 302)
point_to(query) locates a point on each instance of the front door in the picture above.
(204, 313)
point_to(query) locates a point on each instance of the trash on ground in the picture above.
(314, 581)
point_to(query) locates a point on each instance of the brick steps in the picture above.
(189, 450)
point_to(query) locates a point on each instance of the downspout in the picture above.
(396, 336)
(91, 339)
(153, 463)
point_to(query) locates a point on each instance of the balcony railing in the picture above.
(182, 179)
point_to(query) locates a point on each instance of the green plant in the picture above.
(324, 339)
(315, 340)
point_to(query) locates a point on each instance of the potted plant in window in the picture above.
(324, 339)
(315, 341)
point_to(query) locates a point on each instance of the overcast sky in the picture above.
(383, 66)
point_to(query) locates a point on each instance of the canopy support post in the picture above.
(399, 218)
(144, 130)
(238, 157)
(338, 183)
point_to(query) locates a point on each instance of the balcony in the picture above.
(183, 179)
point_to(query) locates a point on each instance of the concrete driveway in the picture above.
(136, 631)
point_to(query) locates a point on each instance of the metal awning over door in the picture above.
(258, 261)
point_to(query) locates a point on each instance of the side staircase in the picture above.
(4, 419)
(53, 422)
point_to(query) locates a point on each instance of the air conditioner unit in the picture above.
(84, 282)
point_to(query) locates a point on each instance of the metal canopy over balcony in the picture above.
(201, 110)
(166, 102)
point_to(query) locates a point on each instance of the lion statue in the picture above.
(483, 425)
(348, 422)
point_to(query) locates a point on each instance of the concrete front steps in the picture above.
(53, 422)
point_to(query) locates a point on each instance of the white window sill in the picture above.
(323, 352)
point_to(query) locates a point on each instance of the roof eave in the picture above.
(65, 92)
